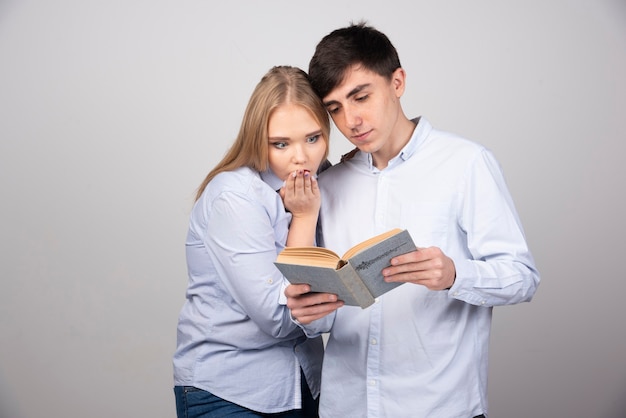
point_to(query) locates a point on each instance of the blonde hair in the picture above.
(280, 85)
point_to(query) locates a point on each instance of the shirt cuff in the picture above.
(282, 299)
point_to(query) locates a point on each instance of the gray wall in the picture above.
(111, 113)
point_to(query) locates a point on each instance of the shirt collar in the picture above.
(271, 179)
(420, 133)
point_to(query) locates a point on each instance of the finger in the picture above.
(300, 182)
(287, 188)
(307, 180)
(295, 290)
(412, 257)
(410, 276)
(314, 186)
(315, 312)
(404, 268)
(292, 183)
(310, 300)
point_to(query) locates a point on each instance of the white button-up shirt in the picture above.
(420, 353)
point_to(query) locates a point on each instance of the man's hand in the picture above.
(307, 307)
(429, 267)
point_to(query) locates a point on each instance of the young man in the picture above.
(421, 349)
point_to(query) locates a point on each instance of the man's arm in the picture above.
(498, 268)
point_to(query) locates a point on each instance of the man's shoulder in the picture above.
(453, 141)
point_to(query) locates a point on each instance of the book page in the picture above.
(314, 256)
(369, 242)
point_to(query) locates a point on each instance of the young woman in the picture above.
(238, 351)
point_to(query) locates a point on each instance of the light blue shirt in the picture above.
(235, 335)
(419, 353)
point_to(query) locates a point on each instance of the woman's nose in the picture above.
(299, 153)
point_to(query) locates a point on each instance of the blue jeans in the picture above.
(192, 402)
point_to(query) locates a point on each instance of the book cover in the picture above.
(358, 280)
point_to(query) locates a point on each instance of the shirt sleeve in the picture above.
(500, 269)
(240, 239)
(318, 327)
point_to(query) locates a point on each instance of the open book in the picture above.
(356, 278)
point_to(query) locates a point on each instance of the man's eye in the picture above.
(312, 139)
(333, 110)
(279, 145)
(361, 98)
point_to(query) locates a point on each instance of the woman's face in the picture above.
(295, 141)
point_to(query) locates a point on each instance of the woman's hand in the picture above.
(301, 196)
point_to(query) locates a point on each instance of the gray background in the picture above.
(112, 112)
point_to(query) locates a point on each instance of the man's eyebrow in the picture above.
(357, 89)
(351, 93)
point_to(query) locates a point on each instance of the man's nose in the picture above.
(351, 117)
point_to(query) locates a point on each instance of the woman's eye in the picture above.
(361, 98)
(312, 139)
(333, 110)
(279, 145)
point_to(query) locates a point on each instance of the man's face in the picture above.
(366, 109)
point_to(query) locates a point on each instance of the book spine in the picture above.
(355, 285)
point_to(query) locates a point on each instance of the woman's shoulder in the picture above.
(244, 182)
(238, 178)
(236, 181)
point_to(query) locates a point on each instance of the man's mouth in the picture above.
(361, 137)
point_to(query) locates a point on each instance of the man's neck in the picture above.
(396, 142)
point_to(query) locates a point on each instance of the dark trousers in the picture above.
(192, 402)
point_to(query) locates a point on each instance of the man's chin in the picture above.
(364, 147)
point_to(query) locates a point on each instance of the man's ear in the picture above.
(398, 81)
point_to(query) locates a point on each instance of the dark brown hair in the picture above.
(357, 44)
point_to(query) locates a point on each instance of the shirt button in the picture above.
(483, 302)
(374, 342)
(456, 293)
(372, 382)
(270, 281)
